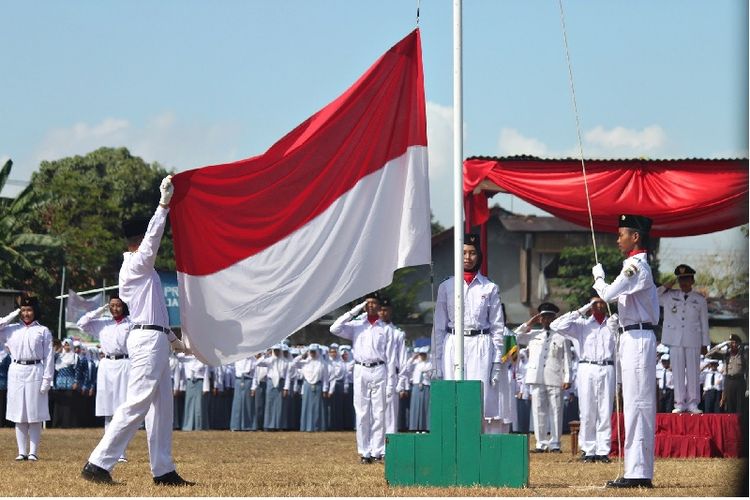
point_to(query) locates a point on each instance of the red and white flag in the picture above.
(266, 245)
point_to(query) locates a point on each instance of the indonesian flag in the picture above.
(268, 244)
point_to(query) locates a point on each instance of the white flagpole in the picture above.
(62, 290)
(458, 195)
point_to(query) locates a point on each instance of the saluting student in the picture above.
(638, 309)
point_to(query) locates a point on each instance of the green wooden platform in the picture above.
(455, 452)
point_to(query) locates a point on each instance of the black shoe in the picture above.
(378, 460)
(96, 474)
(538, 450)
(602, 458)
(365, 460)
(555, 450)
(172, 479)
(589, 459)
(625, 482)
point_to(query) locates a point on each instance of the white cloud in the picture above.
(620, 139)
(512, 142)
(164, 138)
(440, 150)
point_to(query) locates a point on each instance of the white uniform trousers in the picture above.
(596, 394)
(111, 385)
(638, 362)
(369, 409)
(546, 411)
(150, 397)
(685, 362)
(391, 413)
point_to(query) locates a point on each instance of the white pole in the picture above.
(59, 319)
(89, 292)
(458, 195)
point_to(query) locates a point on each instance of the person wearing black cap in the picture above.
(112, 375)
(685, 331)
(733, 398)
(374, 373)
(548, 374)
(638, 308)
(149, 384)
(30, 374)
(595, 378)
(393, 401)
(484, 327)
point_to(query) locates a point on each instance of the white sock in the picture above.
(22, 434)
(35, 435)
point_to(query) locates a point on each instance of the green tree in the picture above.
(435, 226)
(22, 251)
(403, 294)
(573, 282)
(82, 201)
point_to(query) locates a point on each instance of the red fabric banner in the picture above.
(683, 197)
(689, 436)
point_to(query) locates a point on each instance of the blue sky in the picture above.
(191, 83)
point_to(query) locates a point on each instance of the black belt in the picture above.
(370, 365)
(116, 356)
(471, 333)
(27, 361)
(600, 363)
(152, 327)
(637, 326)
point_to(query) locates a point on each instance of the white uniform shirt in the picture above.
(244, 367)
(313, 370)
(195, 369)
(29, 343)
(420, 371)
(112, 335)
(278, 368)
(634, 289)
(140, 286)
(685, 319)
(713, 380)
(336, 373)
(664, 379)
(482, 311)
(549, 356)
(594, 341)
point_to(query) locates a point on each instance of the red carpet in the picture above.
(684, 435)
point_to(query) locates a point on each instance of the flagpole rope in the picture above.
(591, 218)
(418, 13)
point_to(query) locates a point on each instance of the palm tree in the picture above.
(19, 250)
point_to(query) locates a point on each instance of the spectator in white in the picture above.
(197, 389)
(149, 385)
(277, 387)
(548, 373)
(419, 372)
(29, 375)
(665, 383)
(374, 372)
(523, 393)
(348, 412)
(685, 331)
(243, 407)
(114, 367)
(334, 404)
(393, 401)
(713, 382)
(315, 378)
(484, 326)
(638, 308)
(596, 375)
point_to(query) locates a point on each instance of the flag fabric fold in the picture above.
(76, 306)
(268, 244)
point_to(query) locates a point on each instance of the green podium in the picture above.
(455, 452)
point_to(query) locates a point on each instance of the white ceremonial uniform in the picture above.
(149, 384)
(637, 303)
(30, 344)
(114, 367)
(595, 378)
(372, 349)
(484, 326)
(547, 369)
(313, 371)
(392, 399)
(685, 330)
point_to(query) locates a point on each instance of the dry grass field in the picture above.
(319, 464)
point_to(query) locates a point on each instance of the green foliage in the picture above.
(435, 226)
(574, 280)
(20, 249)
(81, 201)
(403, 294)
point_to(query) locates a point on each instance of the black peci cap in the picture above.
(548, 308)
(684, 270)
(135, 226)
(637, 222)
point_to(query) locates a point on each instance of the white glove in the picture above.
(45, 386)
(358, 308)
(166, 189)
(101, 310)
(178, 346)
(583, 310)
(598, 272)
(613, 323)
(496, 371)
